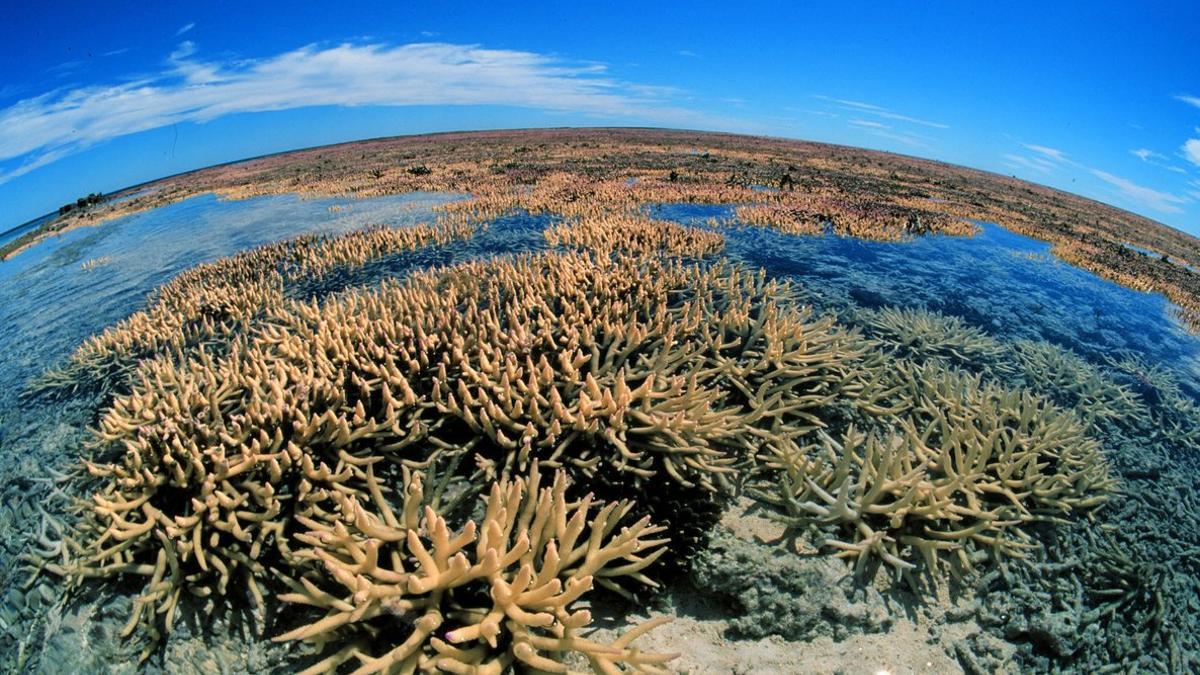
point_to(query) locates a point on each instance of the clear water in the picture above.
(49, 302)
(1004, 283)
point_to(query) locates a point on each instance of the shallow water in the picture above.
(59, 292)
(1004, 283)
(49, 302)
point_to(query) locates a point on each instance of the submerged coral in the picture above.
(923, 335)
(1067, 379)
(968, 464)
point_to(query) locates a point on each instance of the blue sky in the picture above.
(1095, 98)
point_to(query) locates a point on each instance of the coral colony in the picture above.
(440, 470)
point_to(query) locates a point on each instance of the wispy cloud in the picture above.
(1159, 201)
(38, 130)
(1047, 160)
(688, 53)
(1157, 159)
(880, 111)
(1190, 100)
(869, 124)
(1033, 163)
(1052, 153)
(185, 29)
(910, 140)
(809, 111)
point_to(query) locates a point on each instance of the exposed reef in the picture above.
(501, 591)
(819, 188)
(207, 305)
(634, 233)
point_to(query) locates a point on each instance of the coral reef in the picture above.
(280, 447)
(1173, 415)
(571, 172)
(813, 213)
(1069, 381)
(209, 303)
(501, 591)
(634, 233)
(632, 367)
(924, 335)
(969, 463)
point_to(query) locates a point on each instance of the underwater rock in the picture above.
(774, 592)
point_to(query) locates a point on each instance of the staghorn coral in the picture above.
(970, 464)
(1071, 382)
(405, 592)
(923, 335)
(635, 233)
(820, 213)
(211, 302)
(1173, 416)
(622, 370)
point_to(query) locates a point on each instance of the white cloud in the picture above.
(1159, 201)
(1034, 163)
(185, 29)
(1191, 150)
(38, 130)
(869, 124)
(688, 53)
(1146, 155)
(1190, 100)
(1052, 153)
(879, 111)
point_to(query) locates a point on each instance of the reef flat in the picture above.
(561, 426)
(812, 187)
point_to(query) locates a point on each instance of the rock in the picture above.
(775, 592)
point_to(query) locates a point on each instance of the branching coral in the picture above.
(635, 233)
(1067, 379)
(210, 303)
(1174, 415)
(406, 592)
(922, 334)
(796, 212)
(623, 370)
(971, 462)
